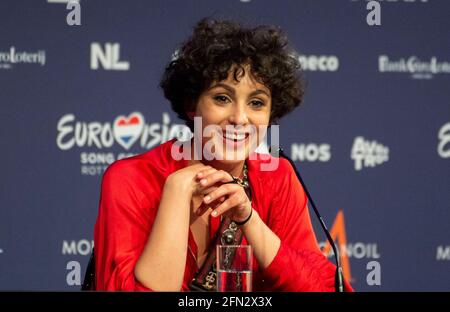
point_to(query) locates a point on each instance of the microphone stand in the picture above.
(338, 278)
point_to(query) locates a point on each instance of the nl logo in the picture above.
(108, 56)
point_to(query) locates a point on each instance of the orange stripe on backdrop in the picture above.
(339, 235)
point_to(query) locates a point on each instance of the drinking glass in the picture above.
(234, 268)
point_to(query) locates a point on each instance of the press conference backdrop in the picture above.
(372, 139)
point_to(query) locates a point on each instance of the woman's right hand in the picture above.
(168, 237)
(186, 182)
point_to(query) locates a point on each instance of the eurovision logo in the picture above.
(125, 130)
(128, 129)
(368, 153)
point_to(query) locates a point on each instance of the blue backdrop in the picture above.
(372, 139)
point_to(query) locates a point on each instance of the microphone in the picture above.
(338, 277)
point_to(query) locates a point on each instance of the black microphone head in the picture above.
(275, 151)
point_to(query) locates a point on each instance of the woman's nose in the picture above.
(238, 115)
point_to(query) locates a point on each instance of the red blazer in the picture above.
(130, 195)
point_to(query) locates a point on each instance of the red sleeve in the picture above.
(299, 265)
(122, 228)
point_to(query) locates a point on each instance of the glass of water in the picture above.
(234, 268)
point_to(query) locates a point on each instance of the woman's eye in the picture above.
(221, 98)
(257, 103)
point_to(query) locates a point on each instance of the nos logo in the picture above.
(310, 152)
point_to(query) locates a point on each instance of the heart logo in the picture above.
(128, 129)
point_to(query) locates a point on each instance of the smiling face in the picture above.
(239, 110)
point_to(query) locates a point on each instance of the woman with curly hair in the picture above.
(161, 216)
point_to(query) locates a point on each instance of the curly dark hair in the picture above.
(215, 47)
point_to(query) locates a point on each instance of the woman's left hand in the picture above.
(235, 201)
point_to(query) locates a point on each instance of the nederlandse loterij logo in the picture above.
(368, 153)
(108, 57)
(13, 57)
(417, 68)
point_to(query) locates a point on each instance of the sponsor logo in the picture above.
(348, 250)
(417, 68)
(322, 63)
(443, 253)
(367, 153)
(108, 57)
(127, 131)
(13, 57)
(444, 141)
(311, 152)
(81, 247)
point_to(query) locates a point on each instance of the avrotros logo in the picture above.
(348, 250)
(126, 131)
(367, 153)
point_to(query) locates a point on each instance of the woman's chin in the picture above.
(229, 162)
(233, 151)
(227, 157)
